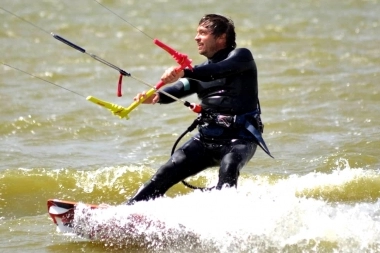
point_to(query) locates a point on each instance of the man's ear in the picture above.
(222, 39)
(223, 36)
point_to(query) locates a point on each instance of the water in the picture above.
(319, 65)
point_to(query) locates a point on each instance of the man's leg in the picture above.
(238, 153)
(190, 159)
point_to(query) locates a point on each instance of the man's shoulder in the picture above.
(241, 52)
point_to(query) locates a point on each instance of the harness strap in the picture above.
(257, 135)
(242, 120)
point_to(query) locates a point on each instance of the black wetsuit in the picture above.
(230, 124)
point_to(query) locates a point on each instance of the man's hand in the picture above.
(150, 100)
(171, 75)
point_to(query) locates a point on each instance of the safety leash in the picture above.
(195, 123)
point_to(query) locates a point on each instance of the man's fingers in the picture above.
(139, 96)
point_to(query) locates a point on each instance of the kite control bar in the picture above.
(122, 112)
(181, 59)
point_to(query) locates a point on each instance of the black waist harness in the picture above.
(232, 120)
(227, 121)
(216, 124)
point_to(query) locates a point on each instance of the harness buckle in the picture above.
(233, 120)
(225, 120)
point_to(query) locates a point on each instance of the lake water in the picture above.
(319, 67)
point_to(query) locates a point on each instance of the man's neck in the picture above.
(220, 55)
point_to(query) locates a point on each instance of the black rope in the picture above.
(189, 129)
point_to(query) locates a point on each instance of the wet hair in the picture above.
(219, 25)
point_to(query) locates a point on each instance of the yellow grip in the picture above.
(119, 110)
(137, 103)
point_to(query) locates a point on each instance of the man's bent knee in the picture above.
(229, 171)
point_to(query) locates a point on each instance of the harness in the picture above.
(238, 121)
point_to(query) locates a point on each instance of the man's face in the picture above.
(208, 45)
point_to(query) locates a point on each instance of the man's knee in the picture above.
(231, 164)
(170, 169)
(229, 170)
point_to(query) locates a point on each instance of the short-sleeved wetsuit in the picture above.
(230, 124)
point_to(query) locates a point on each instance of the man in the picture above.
(229, 124)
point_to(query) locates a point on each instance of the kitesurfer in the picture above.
(229, 126)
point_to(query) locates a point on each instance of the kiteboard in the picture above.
(75, 218)
(116, 225)
(62, 213)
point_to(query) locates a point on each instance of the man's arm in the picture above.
(179, 89)
(239, 60)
